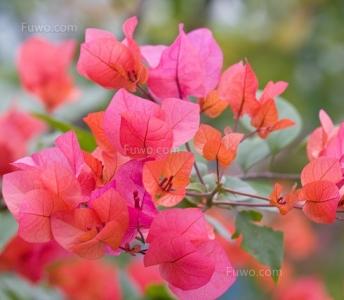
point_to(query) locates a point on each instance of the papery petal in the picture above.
(238, 86)
(152, 54)
(228, 148)
(272, 90)
(322, 198)
(106, 62)
(223, 278)
(34, 216)
(212, 105)
(92, 34)
(188, 222)
(69, 146)
(186, 68)
(326, 122)
(182, 264)
(144, 138)
(15, 185)
(112, 210)
(63, 184)
(124, 102)
(183, 119)
(207, 141)
(323, 168)
(129, 27)
(335, 146)
(210, 55)
(95, 122)
(76, 240)
(174, 170)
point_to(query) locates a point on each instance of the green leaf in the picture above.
(15, 288)
(280, 139)
(8, 228)
(86, 139)
(252, 151)
(262, 242)
(219, 227)
(260, 186)
(158, 292)
(202, 167)
(210, 181)
(236, 184)
(196, 186)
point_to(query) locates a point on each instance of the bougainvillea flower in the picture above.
(213, 105)
(43, 70)
(111, 63)
(335, 146)
(238, 86)
(320, 137)
(322, 168)
(322, 199)
(105, 160)
(192, 264)
(265, 119)
(156, 130)
(22, 128)
(86, 279)
(89, 231)
(319, 179)
(210, 143)
(166, 179)
(265, 116)
(142, 211)
(28, 259)
(284, 202)
(50, 181)
(191, 66)
(33, 195)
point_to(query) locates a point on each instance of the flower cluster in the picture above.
(107, 201)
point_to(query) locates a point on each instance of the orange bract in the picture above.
(166, 179)
(210, 143)
(213, 105)
(286, 202)
(95, 123)
(265, 119)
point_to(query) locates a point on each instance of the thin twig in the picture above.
(218, 178)
(196, 167)
(234, 203)
(270, 175)
(250, 134)
(245, 194)
(245, 204)
(197, 194)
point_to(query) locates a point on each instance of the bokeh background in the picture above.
(299, 41)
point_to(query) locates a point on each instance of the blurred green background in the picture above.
(299, 41)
